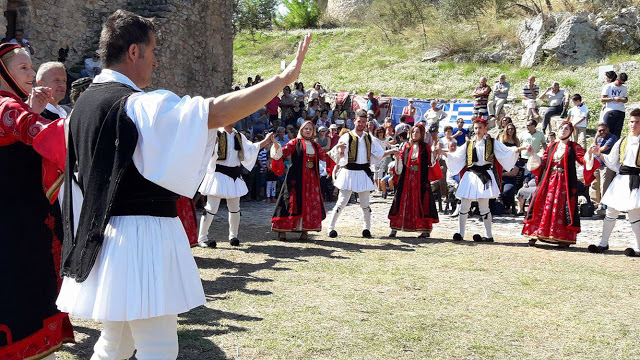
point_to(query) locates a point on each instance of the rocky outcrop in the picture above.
(574, 42)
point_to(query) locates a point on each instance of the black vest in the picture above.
(101, 143)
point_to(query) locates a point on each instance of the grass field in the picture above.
(360, 59)
(405, 298)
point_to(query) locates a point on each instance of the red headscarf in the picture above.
(4, 72)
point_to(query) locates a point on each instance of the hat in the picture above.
(322, 128)
(333, 126)
(96, 53)
(410, 99)
(361, 113)
(370, 113)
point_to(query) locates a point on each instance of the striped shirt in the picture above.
(526, 91)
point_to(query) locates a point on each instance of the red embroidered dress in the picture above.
(553, 213)
(413, 207)
(32, 154)
(300, 206)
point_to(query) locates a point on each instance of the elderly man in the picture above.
(558, 102)
(480, 99)
(53, 75)
(500, 94)
(531, 137)
(127, 262)
(530, 100)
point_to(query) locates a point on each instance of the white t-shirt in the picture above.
(577, 113)
(611, 90)
(434, 116)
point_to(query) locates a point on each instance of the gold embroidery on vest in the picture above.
(353, 147)
(222, 145)
(489, 155)
(241, 151)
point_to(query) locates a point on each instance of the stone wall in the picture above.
(195, 37)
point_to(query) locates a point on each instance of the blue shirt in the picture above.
(609, 141)
(462, 138)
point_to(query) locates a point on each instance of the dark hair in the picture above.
(611, 75)
(532, 122)
(121, 30)
(249, 79)
(287, 88)
(622, 76)
(402, 135)
(380, 130)
(576, 97)
(403, 118)
(301, 85)
(635, 112)
(448, 127)
(603, 125)
(553, 133)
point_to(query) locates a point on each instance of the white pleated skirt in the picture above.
(145, 269)
(619, 196)
(222, 186)
(354, 180)
(471, 187)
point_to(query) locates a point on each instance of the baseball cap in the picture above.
(361, 113)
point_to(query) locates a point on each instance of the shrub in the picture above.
(300, 14)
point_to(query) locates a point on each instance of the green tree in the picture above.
(301, 14)
(254, 15)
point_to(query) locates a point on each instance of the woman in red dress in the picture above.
(32, 156)
(300, 206)
(414, 207)
(553, 213)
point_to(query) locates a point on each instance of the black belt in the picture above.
(634, 176)
(483, 173)
(150, 207)
(362, 167)
(232, 172)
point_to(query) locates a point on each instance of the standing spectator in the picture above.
(604, 175)
(480, 99)
(314, 106)
(272, 180)
(324, 119)
(333, 136)
(447, 138)
(409, 112)
(281, 136)
(20, 40)
(316, 92)
(500, 95)
(53, 75)
(578, 117)
(287, 103)
(272, 110)
(299, 92)
(509, 178)
(434, 115)
(92, 65)
(609, 77)
(614, 96)
(531, 137)
(262, 175)
(530, 98)
(322, 139)
(558, 101)
(303, 116)
(373, 104)
(461, 134)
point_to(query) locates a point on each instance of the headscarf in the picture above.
(4, 72)
(302, 126)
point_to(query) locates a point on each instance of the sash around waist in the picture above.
(362, 167)
(232, 172)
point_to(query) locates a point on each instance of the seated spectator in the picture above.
(257, 80)
(578, 116)
(260, 121)
(281, 136)
(387, 181)
(324, 119)
(372, 125)
(349, 124)
(92, 65)
(447, 138)
(314, 106)
(299, 93)
(303, 116)
(530, 101)
(78, 87)
(551, 138)
(402, 125)
(287, 104)
(316, 92)
(500, 95)
(526, 192)
(558, 102)
(291, 132)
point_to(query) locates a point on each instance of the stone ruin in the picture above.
(195, 37)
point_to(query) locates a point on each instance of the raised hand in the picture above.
(292, 71)
(39, 98)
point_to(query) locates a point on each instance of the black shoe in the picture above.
(333, 234)
(486, 239)
(208, 244)
(366, 234)
(477, 238)
(630, 252)
(532, 242)
(457, 237)
(234, 242)
(597, 249)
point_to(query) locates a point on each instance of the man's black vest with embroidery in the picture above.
(101, 143)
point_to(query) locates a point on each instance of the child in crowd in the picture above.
(272, 180)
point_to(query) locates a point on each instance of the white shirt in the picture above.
(89, 64)
(434, 116)
(611, 90)
(57, 109)
(579, 115)
(376, 151)
(250, 153)
(174, 142)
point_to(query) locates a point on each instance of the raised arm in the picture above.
(231, 107)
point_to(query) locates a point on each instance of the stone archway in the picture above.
(17, 15)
